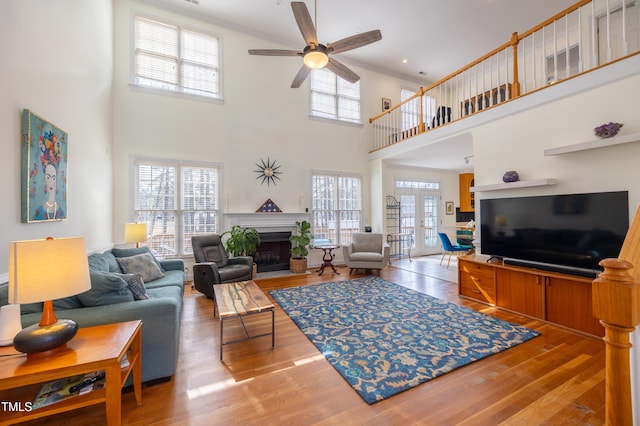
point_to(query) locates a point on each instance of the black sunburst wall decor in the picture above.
(268, 171)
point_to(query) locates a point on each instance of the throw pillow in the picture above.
(136, 285)
(143, 264)
(106, 289)
(111, 261)
(98, 263)
(128, 252)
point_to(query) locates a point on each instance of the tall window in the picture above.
(337, 207)
(335, 98)
(176, 200)
(173, 58)
(411, 110)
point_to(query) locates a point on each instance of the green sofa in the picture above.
(110, 300)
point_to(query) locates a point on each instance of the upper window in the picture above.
(176, 201)
(176, 59)
(334, 98)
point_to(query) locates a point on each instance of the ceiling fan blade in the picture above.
(274, 52)
(300, 77)
(303, 19)
(355, 41)
(342, 71)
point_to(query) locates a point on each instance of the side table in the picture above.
(327, 257)
(92, 349)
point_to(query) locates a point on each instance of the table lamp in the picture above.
(41, 271)
(135, 233)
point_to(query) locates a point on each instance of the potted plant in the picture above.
(300, 243)
(241, 241)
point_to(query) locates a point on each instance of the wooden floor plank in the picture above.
(556, 378)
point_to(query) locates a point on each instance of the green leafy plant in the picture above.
(301, 241)
(241, 241)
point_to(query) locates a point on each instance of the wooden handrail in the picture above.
(511, 43)
(554, 18)
(396, 106)
(456, 93)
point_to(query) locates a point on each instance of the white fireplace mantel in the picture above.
(266, 222)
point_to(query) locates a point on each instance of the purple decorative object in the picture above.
(608, 130)
(510, 176)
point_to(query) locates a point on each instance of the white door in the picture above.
(420, 217)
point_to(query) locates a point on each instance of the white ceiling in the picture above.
(435, 37)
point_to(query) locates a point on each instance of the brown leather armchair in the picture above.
(214, 266)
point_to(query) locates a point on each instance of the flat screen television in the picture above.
(563, 233)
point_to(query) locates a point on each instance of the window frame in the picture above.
(338, 229)
(179, 209)
(335, 117)
(180, 92)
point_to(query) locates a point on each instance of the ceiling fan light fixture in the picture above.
(315, 58)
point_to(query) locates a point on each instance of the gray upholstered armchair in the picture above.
(214, 266)
(366, 251)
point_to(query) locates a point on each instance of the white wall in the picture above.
(517, 142)
(56, 62)
(261, 117)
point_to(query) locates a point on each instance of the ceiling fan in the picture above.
(316, 55)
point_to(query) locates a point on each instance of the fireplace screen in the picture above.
(273, 252)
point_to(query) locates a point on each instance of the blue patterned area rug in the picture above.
(384, 338)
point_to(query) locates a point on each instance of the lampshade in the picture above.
(48, 269)
(41, 271)
(135, 232)
(315, 58)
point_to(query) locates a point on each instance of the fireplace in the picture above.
(275, 229)
(273, 252)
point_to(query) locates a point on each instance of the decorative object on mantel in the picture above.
(608, 130)
(269, 207)
(268, 171)
(510, 176)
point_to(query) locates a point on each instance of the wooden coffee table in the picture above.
(237, 300)
(92, 349)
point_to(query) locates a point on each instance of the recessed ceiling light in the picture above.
(405, 60)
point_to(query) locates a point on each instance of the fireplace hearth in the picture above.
(273, 252)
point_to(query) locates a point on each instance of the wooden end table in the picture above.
(327, 257)
(237, 300)
(92, 349)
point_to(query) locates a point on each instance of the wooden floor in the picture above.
(554, 379)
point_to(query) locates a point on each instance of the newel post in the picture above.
(616, 302)
(515, 90)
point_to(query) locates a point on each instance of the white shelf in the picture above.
(594, 144)
(513, 185)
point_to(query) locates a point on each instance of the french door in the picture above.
(421, 217)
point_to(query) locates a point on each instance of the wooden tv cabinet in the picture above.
(550, 296)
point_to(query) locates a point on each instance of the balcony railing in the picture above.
(586, 36)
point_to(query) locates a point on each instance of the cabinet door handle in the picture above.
(476, 291)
